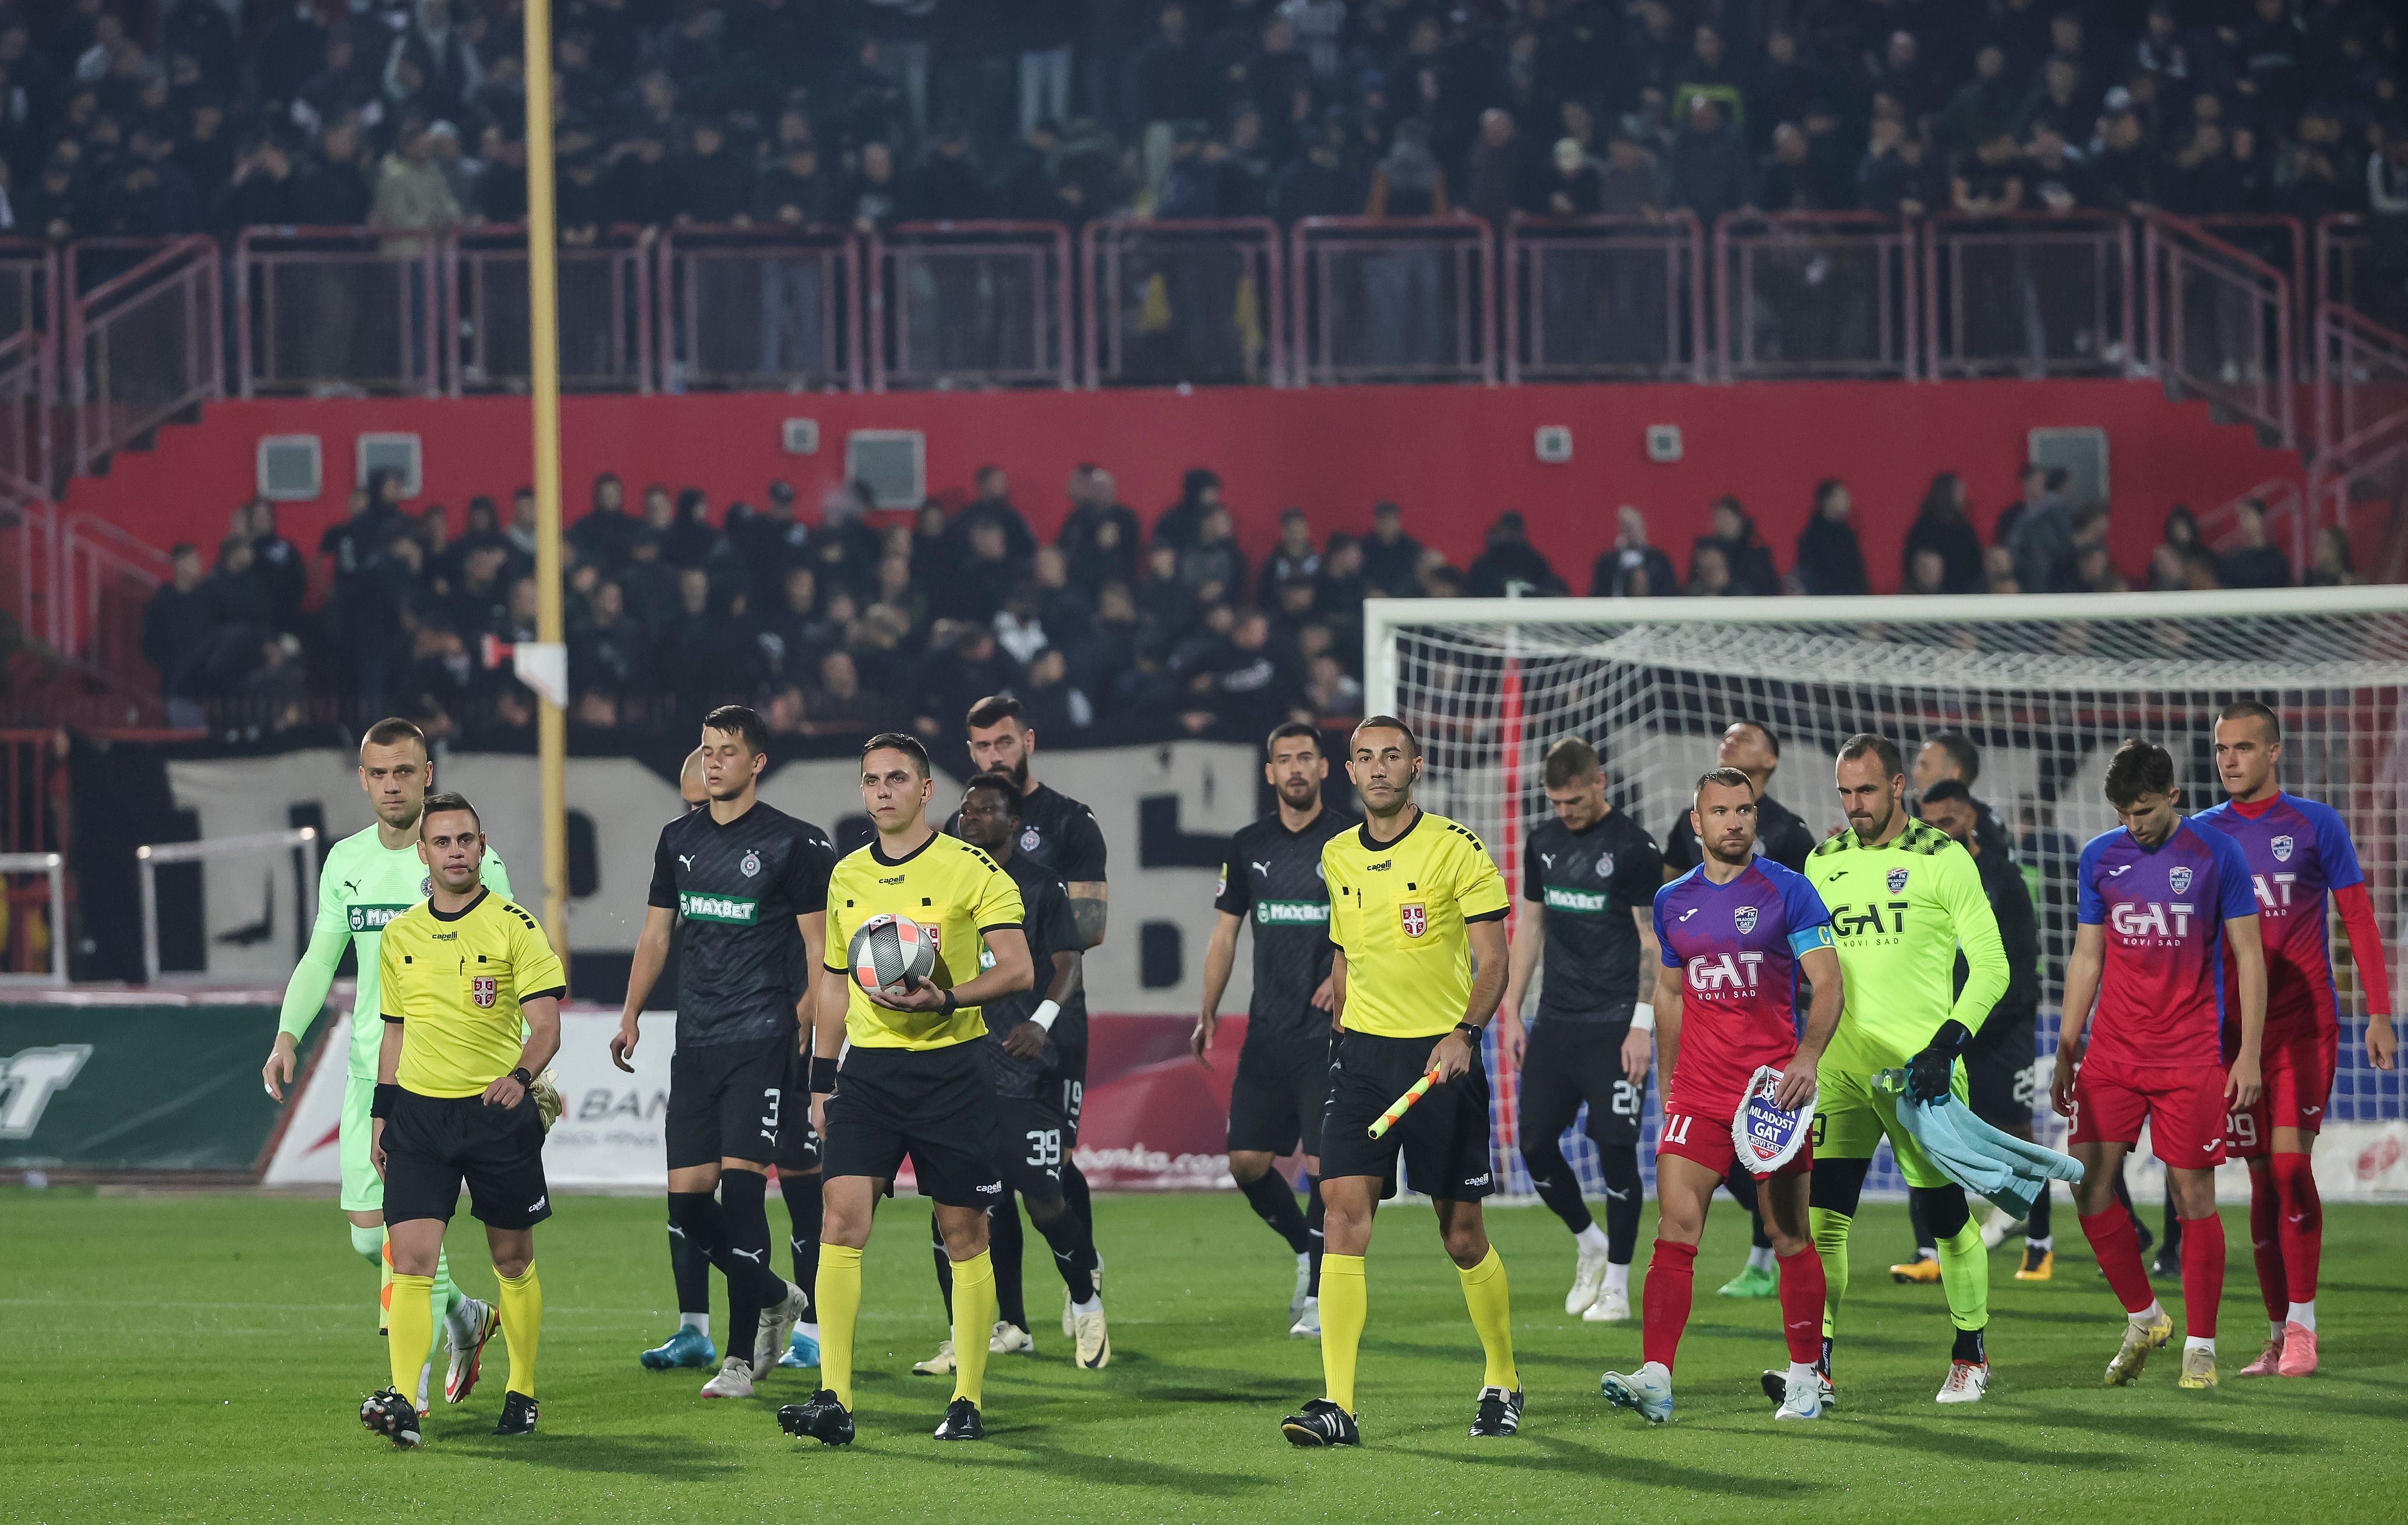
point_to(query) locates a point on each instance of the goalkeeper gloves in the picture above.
(1930, 1073)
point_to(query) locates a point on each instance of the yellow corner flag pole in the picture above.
(543, 297)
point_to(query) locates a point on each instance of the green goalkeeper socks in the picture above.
(1831, 1231)
(1965, 1277)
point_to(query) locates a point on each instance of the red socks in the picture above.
(2302, 1230)
(1664, 1305)
(2266, 1244)
(1801, 1304)
(2202, 1257)
(2118, 1249)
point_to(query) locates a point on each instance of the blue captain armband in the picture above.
(1802, 944)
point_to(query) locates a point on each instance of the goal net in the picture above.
(2046, 686)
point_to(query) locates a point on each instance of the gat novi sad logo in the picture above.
(29, 1080)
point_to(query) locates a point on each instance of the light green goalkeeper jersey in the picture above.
(362, 885)
(1899, 912)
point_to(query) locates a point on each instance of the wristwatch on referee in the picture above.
(1470, 1030)
(526, 1081)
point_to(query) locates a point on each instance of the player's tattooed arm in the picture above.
(1089, 900)
(1027, 1040)
(1220, 957)
(1639, 1044)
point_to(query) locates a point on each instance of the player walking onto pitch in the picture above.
(1016, 1054)
(1589, 878)
(369, 878)
(750, 885)
(1060, 835)
(461, 976)
(1272, 878)
(911, 1083)
(688, 1269)
(1735, 934)
(1903, 898)
(1417, 914)
(2161, 900)
(2299, 852)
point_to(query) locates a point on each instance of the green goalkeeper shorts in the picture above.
(362, 1188)
(1850, 1119)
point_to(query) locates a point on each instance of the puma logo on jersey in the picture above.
(1259, 868)
(685, 861)
(753, 1255)
(1547, 858)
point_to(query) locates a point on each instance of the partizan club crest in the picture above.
(2178, 880)
(1896, 881)
(2282, 846)
(1029, 839)
(752, 864)
(1744, 918)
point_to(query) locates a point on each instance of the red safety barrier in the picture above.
(1184, 301)
(1393, 299)
(1833, 293)
(981, 304)
(1574, 292)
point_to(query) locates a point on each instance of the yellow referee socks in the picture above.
(974, 1324)
(409, 1329)
(1492, 1316)
(522, 1310)
(1831, 1231)
(1344, 1301)
(837, 1294)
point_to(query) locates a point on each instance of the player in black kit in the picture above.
(1060, 834)
(749, 883)
(1589, 878)
(1272, 878)
(1750, 746)
(1016, 1054)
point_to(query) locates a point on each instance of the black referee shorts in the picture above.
(1033, 1140)
(1443, 1139)
(726, 1100)
(798, 1143)
(1282, 1085)
(932, 1104)
(1570, 1062)
(2000, 1084)
(432, 1144)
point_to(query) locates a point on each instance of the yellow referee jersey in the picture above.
(951, 889)
(455, 983)
(1399, 911)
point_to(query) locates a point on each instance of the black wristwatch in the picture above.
(952, 1004)
(521, 1075)
(1470, 1029)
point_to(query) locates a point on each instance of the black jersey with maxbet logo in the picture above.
(1589, 881)
(1045, 919)
(738, 888)
(1273, 880)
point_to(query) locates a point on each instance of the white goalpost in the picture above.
(2045, 685)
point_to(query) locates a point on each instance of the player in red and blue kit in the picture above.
(2160, 901)
(2299, 852)
(1736, 931)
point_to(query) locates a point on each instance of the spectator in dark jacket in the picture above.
(1392, 559)
(2253, 563)
(1200, 493)
(1631, 567)
(1507, 561)
(1829, 560)
(1942, 528)
(1709, 167)
(1744, 554)
(715, 186)
(178, 625)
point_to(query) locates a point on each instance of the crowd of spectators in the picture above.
(837, 623)
(408, 114)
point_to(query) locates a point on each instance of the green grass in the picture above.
(202, 1357)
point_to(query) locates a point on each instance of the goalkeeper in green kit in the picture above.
(1903, 898)
(368, 879)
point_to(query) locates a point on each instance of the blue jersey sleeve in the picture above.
(2090, 910)
(2334, 849)
(1803, 906)
(2235, 895)
(1663, 938)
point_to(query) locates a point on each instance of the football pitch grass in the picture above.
(202, 1357)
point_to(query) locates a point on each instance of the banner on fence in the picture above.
(103, 1085)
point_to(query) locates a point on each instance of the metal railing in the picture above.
(106, 576)
(2284, 506)
(28, 387)
(1815, 294)
(142, 345)
(2029, 293)
(1168, 303)
(147, 857)
(29, 287)
(2359, 481)
(606, 311)
(2350, 271)
(19, 955)
(970, 304)
(29, 565)
(1393, 299)
(2219, 324)
(1595, 298)
(774, 307)
(2361, 372)
(337, 310)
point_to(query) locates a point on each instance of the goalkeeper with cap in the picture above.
(1903, 898)
(368, 878)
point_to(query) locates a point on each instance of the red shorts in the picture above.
(2298, 1072)
(1707, 1139)
(2184, 1108)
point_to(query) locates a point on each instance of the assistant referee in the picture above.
(1417, 915)
(469, 990)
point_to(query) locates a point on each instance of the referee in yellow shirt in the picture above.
(469, 990)
(911, 1083)
(1417, 912)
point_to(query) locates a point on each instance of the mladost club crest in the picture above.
(1896, 881)
(2178, 880)
(1745, 919)
(1765, 1137)
(2282, 846)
